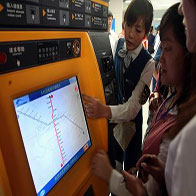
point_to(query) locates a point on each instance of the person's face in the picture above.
(134, 34)
(188, 9)
(109, 23)
(172, 60)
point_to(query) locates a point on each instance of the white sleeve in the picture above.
(184, 170)
(117, 184)
(115, 46)
(129, 110)
(152, 187)
(113, 42)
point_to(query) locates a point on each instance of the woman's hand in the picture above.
(154, 101)
(95, 109)
(150, 164)
(101, 165)
(134, 185)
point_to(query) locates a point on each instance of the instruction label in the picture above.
(12, 13)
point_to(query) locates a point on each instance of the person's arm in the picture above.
(102, 168)
(123, 112)
(113, 42)
(129, 110)
(117, 184)
(115, 46)
(151, 164)
(95, 109)
(154, 101)
(183, 175)
(134, 185)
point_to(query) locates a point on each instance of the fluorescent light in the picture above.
(127, 1)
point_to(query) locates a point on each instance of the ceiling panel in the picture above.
(163, 4)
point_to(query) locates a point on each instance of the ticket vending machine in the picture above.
(46, 140)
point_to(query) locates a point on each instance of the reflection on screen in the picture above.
(54, 131)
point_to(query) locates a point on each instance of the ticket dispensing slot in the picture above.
(107, 64)
(102, 48)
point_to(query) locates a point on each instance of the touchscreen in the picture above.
(54, 131)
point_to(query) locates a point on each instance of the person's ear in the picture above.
(180, 10)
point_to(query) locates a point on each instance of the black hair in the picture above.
(187, 109)
(151, 29)
(173, 19)
(139, 9)
(110, 14)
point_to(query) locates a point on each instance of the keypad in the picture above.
(48, 51)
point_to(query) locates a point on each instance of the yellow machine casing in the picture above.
(15, 175)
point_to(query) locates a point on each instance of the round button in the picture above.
(76, 47)
(3, 58)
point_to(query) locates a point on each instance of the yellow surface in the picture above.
(14, 172)
(4, 183)
(100, 2)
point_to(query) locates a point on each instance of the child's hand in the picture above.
(101, 165)
(95, 109)
(133, 184)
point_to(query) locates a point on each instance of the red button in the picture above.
(3, 58)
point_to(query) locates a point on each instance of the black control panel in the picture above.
(102, 48)
(107, 63)
(89, 191)
(20, 55)
(48, 51)
(72, 14)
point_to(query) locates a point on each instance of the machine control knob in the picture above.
(76, 48)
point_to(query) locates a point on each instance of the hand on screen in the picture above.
(155, 167)
(95, 109)
(101, 165)
(134, 185)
